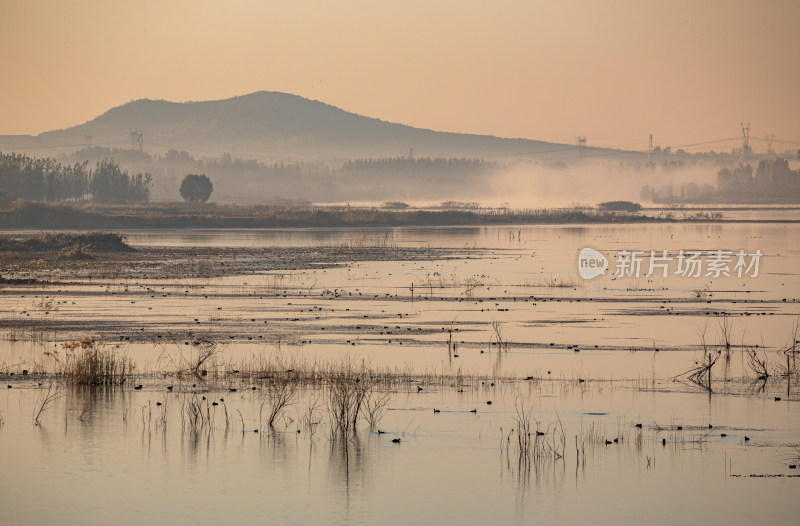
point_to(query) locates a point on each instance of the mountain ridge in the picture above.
(272, 124)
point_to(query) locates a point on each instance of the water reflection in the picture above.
(121, 438)
(347, 463)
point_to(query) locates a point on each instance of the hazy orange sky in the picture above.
(615, 71)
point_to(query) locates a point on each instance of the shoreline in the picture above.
(39, 216)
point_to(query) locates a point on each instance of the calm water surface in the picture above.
(106, 456)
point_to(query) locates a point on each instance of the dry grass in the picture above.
(553, 282)
(346, 393)
(725, 333)
(88, 362)
(757, 365)
(376, 403)
(470, 284)
(533, 444)
(310, 418)
(278, 396)
(700, 374)
(44, 402)
(497, 336)
(40, 215)
(196, 415)
(31, 323)
(309, 373)
(791, 352)
(198, 361)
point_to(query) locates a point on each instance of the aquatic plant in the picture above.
(756, 364)
(278, 395)
(202, 350)
(791, 352)
(309, 419)
(43, 403)
(196, 414)
(345, 395)
(88, 362)
(725, 331)
(376, 404)
(700, 374)
(553, 282)
(497, 335)
(534, 444)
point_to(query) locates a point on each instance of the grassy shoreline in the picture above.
(59, 217)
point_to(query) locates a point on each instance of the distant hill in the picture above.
(271, 125)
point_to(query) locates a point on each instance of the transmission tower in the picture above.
(745, 148)
(770, 138)
(650, 150)
(580, 141)
(137, 140)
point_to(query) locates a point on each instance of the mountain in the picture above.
(271, 125)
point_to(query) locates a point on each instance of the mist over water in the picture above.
(529, 185)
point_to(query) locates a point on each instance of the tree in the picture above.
(5, 199)
(111, 184)
(196, 188)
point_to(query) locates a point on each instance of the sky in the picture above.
(689, 72)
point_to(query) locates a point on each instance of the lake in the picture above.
(496, 330)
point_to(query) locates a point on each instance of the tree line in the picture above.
(45, 179)
(771, 181)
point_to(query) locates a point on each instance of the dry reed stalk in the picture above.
(44, 403)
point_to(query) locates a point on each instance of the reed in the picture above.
(533, 444)
(757, 364)
(376, 403)
(497, 336)
(278, 396)
(700, 374)
(305, 372)
(791, 352)
(43, 403)
(196, 414)
(203, 349)
(344, 397)
(554, 283)
(88, 362)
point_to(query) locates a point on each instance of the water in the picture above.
(106, 456)
(85, 464)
